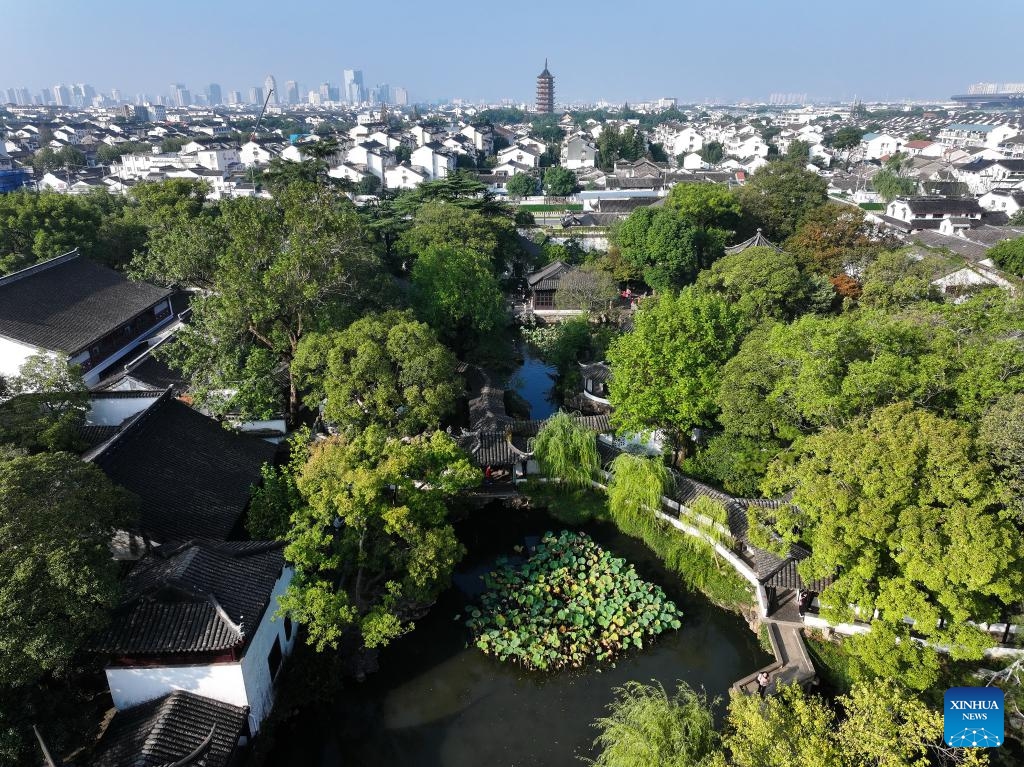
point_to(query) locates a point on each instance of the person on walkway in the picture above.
(487, 475)
(804, 601)
(762, 683)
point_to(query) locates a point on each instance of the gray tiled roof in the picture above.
(196, 598)
(164, 731)
(67, 303)
(192, 475)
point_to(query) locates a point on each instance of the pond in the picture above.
(534, 381)
(438, 703)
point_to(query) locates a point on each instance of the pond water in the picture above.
(534, 381)
(438, 703)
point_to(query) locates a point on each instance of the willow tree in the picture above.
(647, 726)
(566, 451)
(635, 490)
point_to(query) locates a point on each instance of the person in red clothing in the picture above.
(487, 475)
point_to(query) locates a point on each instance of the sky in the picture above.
(729, 50)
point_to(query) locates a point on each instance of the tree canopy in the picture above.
(780, 194)
(667, 370)
(1009, 255)
(762, 282)
(44, 406)
(904, 513)
(371, 543)
(521, 185)
(559, 181)
(385, 369)
(661, 245)
(455, 292)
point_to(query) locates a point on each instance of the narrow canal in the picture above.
(437, 702)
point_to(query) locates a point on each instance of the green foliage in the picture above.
(892, 180)
(780, 194)
(447, 225)
(455, 292)
(569, 604)
(277, 270)
(44, 406)
(706, 206)
(385, 368)
(1009, 255)
(47, 159)
(613, 145)
(37, 226)
(566, 451)
(903, 512)
(712, 152)
(896, 280)
(646, 727)
(790, 729)
(829, 238)
(1017, 219)
(881, 725)
(762, 283)
(1001, 436)
(736, 463)
(567, 507)
(372, 544)
(108, 154)
(272, 501)
(665, 248)
(889, 652)
(58, 516)
(521, 185)
(667, 370)
(173, 144)
(635, 490)
(559, 181)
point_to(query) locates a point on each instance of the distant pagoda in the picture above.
(545, 91)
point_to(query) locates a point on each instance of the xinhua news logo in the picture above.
(973, 717)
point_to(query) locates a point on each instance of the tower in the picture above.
(545, 91)
(270, 84)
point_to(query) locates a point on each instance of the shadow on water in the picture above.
(438, 703)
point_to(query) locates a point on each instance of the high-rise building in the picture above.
(400, 97)
(270, 88)
(291, 92)
(256, 95)
(180, 96)
(381, 94)
(62, 95)
(324, 92)
(545, 91)
(213, 94)
(354, 92)
(23, 97)
(11, 98)
(115, 95)
(235, 97)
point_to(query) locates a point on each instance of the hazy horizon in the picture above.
(744, 51)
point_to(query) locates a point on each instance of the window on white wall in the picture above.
(274, 659)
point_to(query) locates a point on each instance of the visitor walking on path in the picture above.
(762, 683)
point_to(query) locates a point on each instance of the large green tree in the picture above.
(385, 368)
(559, 181)
(372, 544)
(44, 406)
(58, 516)
(521, 185)
(706, 206)
(455, 292)
(903, 512)
(1001, 436)
(447, 225)
(762, 282)
(780, 194)
(659, 244)
(667, 370)
(275, 270)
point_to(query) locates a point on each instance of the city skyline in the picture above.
(692, 54)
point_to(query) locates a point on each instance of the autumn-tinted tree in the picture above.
(588, 288)
(455, 292)
(667, 370)
(780, 195)
(385, 369)
(831, 237)
(372, 544)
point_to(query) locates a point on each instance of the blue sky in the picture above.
(729, 49)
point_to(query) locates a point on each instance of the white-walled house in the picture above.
(523, 155)
(878, 145)
(433, 159)
(202, 618)
(74, 308)
(405, 176)
(1008, 201)
(686, 141)
(578, 152)
(252, 153)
